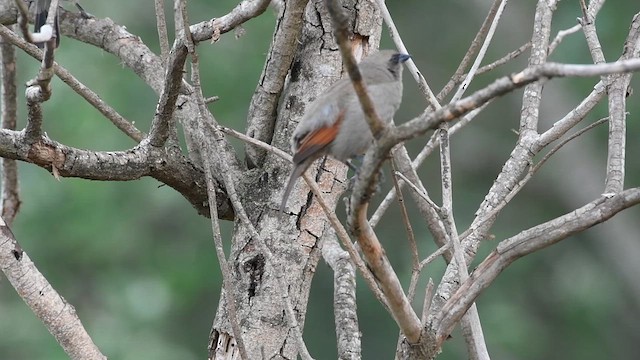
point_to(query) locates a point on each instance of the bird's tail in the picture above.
(297, 171)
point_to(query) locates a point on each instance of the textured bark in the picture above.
(293, 238)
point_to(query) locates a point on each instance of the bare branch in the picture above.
(261, 117)
(161, 25)
(413, 69)
(246, 10)
(171, 169)
(8, 114)
(86, 93)
(457, 77)
(481, 53)
(344, 298)
(172, 87)
(575, 116)
(617, 90)
(163, 117)
(479, 222)
(430, 121)
(471, 327)
(526, 242)
(51, 308)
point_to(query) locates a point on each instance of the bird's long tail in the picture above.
(297, 171)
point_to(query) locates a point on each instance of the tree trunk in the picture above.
(293, 237)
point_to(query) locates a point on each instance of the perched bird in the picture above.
(42, 11)
(335, 124)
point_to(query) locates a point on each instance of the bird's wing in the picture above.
(316, 140)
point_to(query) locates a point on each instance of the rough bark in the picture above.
(294, 237)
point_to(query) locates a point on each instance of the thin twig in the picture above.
(573, 117)
(161, 25)
(413, 246)
(436, 254)
(163, 118)
(471, 326)
(415, 188)
(413, 69)
(524, 243)
(561, 35)
(426, 305)
(91, 97)
(481, 53)
(431, 145)
(224, 266)
(473, 48)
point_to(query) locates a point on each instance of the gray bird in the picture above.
(335, 124)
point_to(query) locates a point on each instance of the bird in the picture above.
(334, 123)
(42, 11)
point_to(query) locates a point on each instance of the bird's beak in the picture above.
(404, 57)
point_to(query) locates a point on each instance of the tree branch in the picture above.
(53, 310)
(165, 109)
(263, 109)
(86, 93)
(169, 168)
(9, 113)
(344, 298)
(527, 242)
(426, 122)
(399, 305)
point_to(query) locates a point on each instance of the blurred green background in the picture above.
(138, 263)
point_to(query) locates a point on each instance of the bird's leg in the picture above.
(356, 169)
